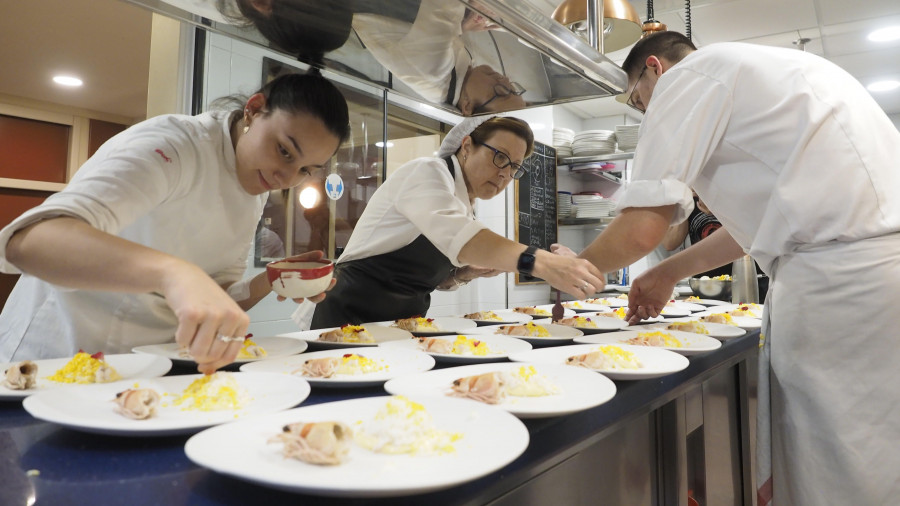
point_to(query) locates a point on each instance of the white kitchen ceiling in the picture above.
(837, 30)
(107, 43)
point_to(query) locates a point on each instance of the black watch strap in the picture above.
(525, 266)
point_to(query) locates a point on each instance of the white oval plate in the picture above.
(611, 302)
(446, 324)
(508, 317)
(717, 330)
(128, 365)
(395, 362)
(579, 388)
(379, 333)
(275, 347)
(744, 322)
(710, 302)
(655, 362)
(755, 309)
(604, 323)
(491, 439)
(547, 308)
(581, 306)
(690, 306)
(693, 343)
(90, 408)
(675, 312)
(558, 333)
(500, 346)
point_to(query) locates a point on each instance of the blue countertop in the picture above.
(51, 465)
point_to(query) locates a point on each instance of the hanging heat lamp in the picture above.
(621, 23)
(651, 25)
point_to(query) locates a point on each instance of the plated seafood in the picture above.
(404, 426)
(250, 349)
(214, 392)
(349, 363)
(347, 334)
(609, 357)
(85, 368)
(745, 310)
(484, 315)
(532, 310)
(462, 345)
(528, 329)
(21, 375)
(138, 404)
(655, 339)
(321, 443)
(617, 313)
(691, 326)
(723, 318)
(416, 323)
(493, 387)
(578, 321)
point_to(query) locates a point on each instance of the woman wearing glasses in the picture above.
(418, 233)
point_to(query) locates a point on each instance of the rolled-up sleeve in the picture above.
(428, 200)
(686, 120)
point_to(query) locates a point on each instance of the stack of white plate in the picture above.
(627, 136)
(594, 142)
(563, 204)
(592, 206)
(562, 141)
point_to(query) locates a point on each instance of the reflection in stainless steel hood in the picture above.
(470, 56)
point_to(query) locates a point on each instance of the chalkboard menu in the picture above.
(536, 203)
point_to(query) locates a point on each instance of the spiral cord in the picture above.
(687, 18)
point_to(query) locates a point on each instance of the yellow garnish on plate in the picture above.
(404, 426)
(83, 368)
(468, 346)
(351, 363)
(213, 392)
(657, 338)
(251, 350)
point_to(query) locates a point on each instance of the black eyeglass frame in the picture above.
(517, 170)
(630, 101)
(504, 91)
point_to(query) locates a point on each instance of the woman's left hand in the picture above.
(310, 256)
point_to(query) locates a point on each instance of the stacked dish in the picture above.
(562, 141)
(594, 142)
(627, 136)
(592, 206)
(563, 204)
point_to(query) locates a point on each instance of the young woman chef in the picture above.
(418, 233)
(150, 238)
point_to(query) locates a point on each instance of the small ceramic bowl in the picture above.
(298, 280)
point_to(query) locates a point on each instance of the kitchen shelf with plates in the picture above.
(593, 166)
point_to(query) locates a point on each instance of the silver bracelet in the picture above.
(456, 280)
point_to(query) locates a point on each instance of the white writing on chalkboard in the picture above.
(536, 200)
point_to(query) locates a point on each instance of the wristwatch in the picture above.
(525, 266)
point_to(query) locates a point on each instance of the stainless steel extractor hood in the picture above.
(464, 56)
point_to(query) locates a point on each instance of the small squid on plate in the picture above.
(435, 345)
(21, 375)
(319, 367)
(138, 404)
(487, 388)
(322, 443)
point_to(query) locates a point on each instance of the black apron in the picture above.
(389, 286)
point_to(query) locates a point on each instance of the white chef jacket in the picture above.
(168, 183)
(767, 137)
(422, 54)
(800, 164)
(420, 198)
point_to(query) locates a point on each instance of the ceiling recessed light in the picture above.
(883, 86)
(885, 34)
(67, 80)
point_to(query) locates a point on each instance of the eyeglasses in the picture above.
(630, 100)
(502, 161)
(503, 91)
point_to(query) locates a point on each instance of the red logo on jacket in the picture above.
(163, 155)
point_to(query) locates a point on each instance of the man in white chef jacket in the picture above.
(802, 168)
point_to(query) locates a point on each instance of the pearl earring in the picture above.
(246, 128)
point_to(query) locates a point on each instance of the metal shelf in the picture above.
(572, 160)
(572, 222)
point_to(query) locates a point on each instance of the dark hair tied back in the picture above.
(313, 94)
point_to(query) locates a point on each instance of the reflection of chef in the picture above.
(439, 68)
